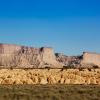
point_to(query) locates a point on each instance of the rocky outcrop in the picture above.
(14, 56)
(52, 76)
(87, 60)
(90, 58)
(27, 57)
(68, 61)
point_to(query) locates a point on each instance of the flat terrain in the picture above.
(49, 92)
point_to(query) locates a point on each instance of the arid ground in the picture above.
(49, 84)
(49, 92)
(50, 76)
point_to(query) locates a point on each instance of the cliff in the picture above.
(86, 60)
(91, 58)
(27, 57)
(68, 60)
(14, 56)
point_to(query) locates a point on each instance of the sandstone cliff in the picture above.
(91, 58)
(27, 57)
(86, 60)
(14, 56)
(68, 61)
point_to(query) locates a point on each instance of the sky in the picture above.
(69, 26)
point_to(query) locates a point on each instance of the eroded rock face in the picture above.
(26, 57)
(68, 60)
(91, 58)
(87, 60)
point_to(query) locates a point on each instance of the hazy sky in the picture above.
(69, 26)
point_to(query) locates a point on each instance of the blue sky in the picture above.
(69, 26)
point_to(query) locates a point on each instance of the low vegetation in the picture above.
(49, 92)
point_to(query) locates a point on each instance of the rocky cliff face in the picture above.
(91, 59)
(69, 61)
(14, 56)
(27, 57)
(87, 60)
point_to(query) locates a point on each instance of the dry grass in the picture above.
(49, 92)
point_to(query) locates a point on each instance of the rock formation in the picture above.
(14, 56)
(68, 61)
(27, 57)
(52, 76)
(87, 60)
(20, 57)
(91, 59)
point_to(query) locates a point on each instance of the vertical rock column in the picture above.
(48, 57)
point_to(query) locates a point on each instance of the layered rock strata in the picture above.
(91, 58)
(86, 60)
(14, 56)
(27, 57)
(67, 61)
